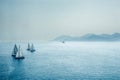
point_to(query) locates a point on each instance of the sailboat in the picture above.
(32, 48)
(15, 50)
(19, 54)
(63, 41)
(28, 47)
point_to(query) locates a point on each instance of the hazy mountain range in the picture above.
(90, 37)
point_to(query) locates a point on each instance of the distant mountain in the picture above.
(90, 37)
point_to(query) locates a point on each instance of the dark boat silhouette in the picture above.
(32, 49)
(63, 41)
(15, 50)
(28, 47)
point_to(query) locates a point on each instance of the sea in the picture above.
(61, 61)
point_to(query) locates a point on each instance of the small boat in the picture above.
(63, 41)
(15, 50)
(28, 47)
(32, 48)
(19, 54)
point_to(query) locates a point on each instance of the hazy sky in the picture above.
(47, 19)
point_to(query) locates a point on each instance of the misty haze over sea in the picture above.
(90, 37)
(47, 19)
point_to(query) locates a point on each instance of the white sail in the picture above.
(19, 53)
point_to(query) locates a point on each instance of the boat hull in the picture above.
(13, 55)
(28, 49)
(19, 57)
(32, 50)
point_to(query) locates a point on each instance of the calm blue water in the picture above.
(58, 61)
